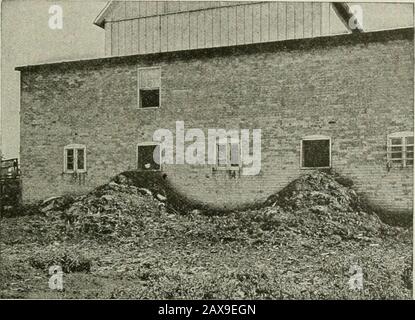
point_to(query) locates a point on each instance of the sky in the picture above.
(27, 39)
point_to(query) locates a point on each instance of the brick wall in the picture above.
(354, 88)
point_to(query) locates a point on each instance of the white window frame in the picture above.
(314, 138)
(144, 144)
(228, 165)
(401, 135)
(138, 88)
(75, 148)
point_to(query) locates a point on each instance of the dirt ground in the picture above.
(122, 241)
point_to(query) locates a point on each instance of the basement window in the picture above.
(228, 156)
(401, 148)
(148, 157)
(315, 152)
(149, 87)
(74, 158)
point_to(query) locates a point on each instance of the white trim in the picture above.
(402, 160)
(314, 138)
(401, 134)
(138, 87)
(144, 144)
(100, 19)
(74, 147)
(228, 165)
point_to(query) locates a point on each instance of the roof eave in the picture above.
(343, 11)
(100, 19)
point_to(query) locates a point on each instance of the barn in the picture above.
(322, 93)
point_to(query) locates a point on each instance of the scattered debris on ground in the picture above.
(113, 209)
(52, 255)
(137, 238)
(315, 204)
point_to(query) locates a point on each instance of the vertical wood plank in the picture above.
(256, 23)
(240, 24)
(201, 29)
(156, 34)
(316, 19)
(170, 32)
(325, 16)
(193, 29)
(114, 39)
(134, 7)
(128, 9)
(178, 22)
(290, 20)
(164, 32)
(232, 25)
(308, 20)
(186, 31)
(149, 34)
(224, 27)
(192, 5)
(161, 7)
(120, 12)
(249, 30)
(299, 20)
(153, 23)
(108, 30)
(135, 36)
(142, 35)
(273, 21)
(151, 8)
(184, 5)
(173, 6)
(209, 28)
(216, 27)
(121, 35)
(282, 19)
(264, 21)
(127, 36)
(143, 8)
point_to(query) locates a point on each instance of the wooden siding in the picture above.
(120, 10)
(149, 27)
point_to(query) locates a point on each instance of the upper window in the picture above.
(149, 87)
(316, 152)
(401, 148)
(75, 158)
(228, 155)
(148, 157)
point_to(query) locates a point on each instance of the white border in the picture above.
(138, 87)
(143, 144)
(74, 146)
(316, 138)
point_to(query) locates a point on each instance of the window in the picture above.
(148, 157)
(228, 156)
(74, 158)
(149, 87)
(316, 152)
(401, 148)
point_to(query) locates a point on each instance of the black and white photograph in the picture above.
(206, 150)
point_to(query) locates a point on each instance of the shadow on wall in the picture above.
(315, 189)
(158, 183)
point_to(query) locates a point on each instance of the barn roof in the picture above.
(295, 44)
(116, 10)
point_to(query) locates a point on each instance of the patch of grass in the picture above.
(117, 242)
(174, 263)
